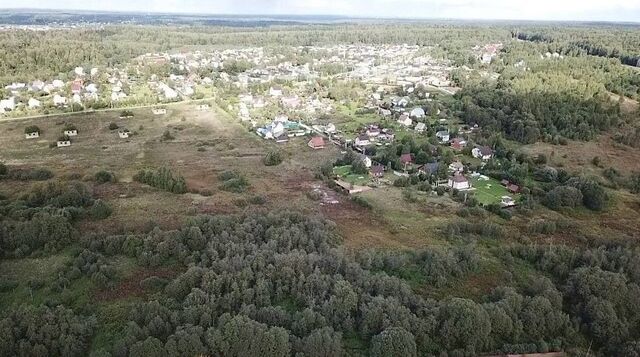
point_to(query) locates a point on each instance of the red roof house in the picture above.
(317, 142)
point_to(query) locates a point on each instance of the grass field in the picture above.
(344, 172)
(489, 191)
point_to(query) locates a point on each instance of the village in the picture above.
(389, 104)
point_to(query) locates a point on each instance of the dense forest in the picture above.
(279, 284)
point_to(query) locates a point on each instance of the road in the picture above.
(107, 109)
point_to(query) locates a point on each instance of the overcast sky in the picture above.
(607, 10)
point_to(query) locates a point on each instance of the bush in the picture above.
(361, 201)
(113, 126)
(126, 113)
(233, 182)
(563, 196)
(273, 158)
(3, 169)
(163, 179)
(103, 176)
(100, 210)
(402, 182)
(30, 174)
(167, 136)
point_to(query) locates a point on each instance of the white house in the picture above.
(405, 120)
(458, 182)
(79, 71)
(91, 88)
(443, 136)
(417, 113)
(77, 99)
(482, 152)
(59, 100)
(420, 127)
(57, 83)
(366, 160)
(8, 104)
(456, 166)
(63, 143)
(33, 103)
(330, 129)
(203, 107)
(32, 135)
(275, 91)
(123, 134)
(94, 71)
(71, 132)
(507, 201)
(159, 111)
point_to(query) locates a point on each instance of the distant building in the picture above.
(458, 182)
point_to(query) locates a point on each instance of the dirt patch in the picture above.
(131, 287)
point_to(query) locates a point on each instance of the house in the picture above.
(59, 100)
(282, 138)
(420, 127)
(400, 101)
(8, 104)
(123, 134)
(363, 140)
(366, 160)
(32, 135)
(456, 166)
(33, 103)
(458, 182)
(373, 131)
(443, 136)
(63, 143)
(417, 113)
(377, 171)
(37, 86)
(429, 169)
(203, 107)
(513, 188)
(507, 201)
(275, 91)
(56, 83)
(384, 112)
(77, 99)
(76, 86)
(405, 120)
(91, 88)
(458, 144)
(330, 129)
(317, 142)
(405, 159)
(71, 132)
(159, 111)
(482, 152)
(291, 102)
(79, 71)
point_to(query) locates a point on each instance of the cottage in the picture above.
(31, 134)
(366, 160)
(8, 104)
(458, 144)
(456, 166)
(384, 112)
(71, 132)
(59, 100)
(159, 111)
(513, 188)
(443, 136)
(377, 171)
(482, 152)
(458, 182)
(203, 107)
(507, 201)
(316, 143)
(330, 129)
(406, 159)
(79, 71)
(417, 113)
(420, 127)
(123, 134)
(33, 103)
(56, 83)
(363, 140)
(275, 91)
(405, 120)
(373, 131)
(429, 169)
(63, 143)
(91, 88)
(76, 86)
(290, 102)
(37, 86)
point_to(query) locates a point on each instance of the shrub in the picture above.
(402, 182)
(3, 169)
(233, 182)
(257, 200)
(30, 174)
(563, 196)
(113, 126)
(273, 158)
(100, 210)
(103, 176)
(167, 136)
(126, 113)
(361, 201)
(163, 179)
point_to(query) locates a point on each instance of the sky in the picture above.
(576, 10)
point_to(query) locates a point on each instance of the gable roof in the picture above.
(406, 158)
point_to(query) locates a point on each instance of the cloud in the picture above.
(611, 10)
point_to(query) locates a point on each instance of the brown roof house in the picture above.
(316, 143)
(459, 182)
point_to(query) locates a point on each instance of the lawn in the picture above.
(489, 191)
(344, 172)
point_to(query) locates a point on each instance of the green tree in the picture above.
(393, 342)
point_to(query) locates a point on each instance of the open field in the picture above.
(489, 191)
